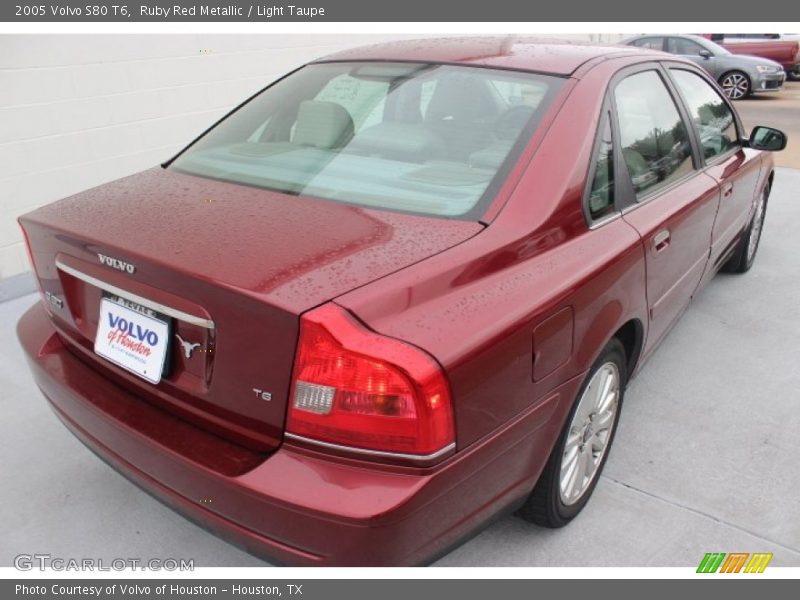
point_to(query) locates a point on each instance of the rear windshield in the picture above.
(421, 138)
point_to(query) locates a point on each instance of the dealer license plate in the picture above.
(133, 337)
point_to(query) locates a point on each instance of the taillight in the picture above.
(352, 387)
(28, 249)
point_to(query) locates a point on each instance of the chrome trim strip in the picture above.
(417, 457)
(156, 306)
(721, 158)
(607, 219)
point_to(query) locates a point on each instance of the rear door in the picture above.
(735, 168)
(670, 201)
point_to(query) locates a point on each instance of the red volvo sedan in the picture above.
(397, 293)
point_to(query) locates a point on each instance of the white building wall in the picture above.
(77, 111)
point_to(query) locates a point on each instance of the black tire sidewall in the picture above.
(739, 263)
(749, 261)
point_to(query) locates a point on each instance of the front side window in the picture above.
(713, 119)
(684, 47)
(654, 141)
(422, 138)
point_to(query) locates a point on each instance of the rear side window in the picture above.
(653, 137)
(713, 119)
(654, 43)
(601, 195)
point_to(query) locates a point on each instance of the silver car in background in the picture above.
(738, 75)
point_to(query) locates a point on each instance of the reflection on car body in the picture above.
(427, 274)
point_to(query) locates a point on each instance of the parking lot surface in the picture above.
(705, 459)
(781, 110)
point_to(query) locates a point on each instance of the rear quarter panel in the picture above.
(476, 306)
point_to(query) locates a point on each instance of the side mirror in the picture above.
(767, 138)
(705, 54)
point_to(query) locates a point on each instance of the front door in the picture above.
(690, 49)
(734, 168)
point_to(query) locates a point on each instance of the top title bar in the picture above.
(373, 11)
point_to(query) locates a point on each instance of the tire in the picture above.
(736, 85)
(553, 503)
(745, 254)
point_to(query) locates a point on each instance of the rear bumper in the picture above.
(295, 506)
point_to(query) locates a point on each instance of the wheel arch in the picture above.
(631, 335)
(735, 70)
(615, 322)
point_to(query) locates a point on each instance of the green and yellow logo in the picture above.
(736, 562)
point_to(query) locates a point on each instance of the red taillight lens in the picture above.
(28, 249)
(353, 387)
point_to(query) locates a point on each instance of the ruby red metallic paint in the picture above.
(391, 398)
(236, 260)
(484, 300)
(298, 506)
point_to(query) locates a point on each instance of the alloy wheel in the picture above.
(735, 86)
(589, 433)
(755, 231)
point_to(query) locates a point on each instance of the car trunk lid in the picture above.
(230, 267)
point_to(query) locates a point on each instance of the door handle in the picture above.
(661, 240)
(727, 190)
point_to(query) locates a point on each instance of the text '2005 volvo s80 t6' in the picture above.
(397, 293)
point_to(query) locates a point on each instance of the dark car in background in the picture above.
(738, 75)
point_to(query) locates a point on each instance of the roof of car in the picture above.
(510, 52)
(688, 36)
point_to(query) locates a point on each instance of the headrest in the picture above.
(459, 98)
(322, 125)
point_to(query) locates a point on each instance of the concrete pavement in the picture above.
(781, 110)
(705, 458)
